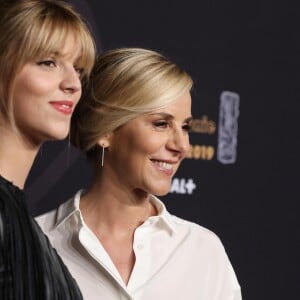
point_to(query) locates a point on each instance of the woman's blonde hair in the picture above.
(30, 29)
(124, 84)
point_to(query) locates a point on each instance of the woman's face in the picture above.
(45, 94)
(145, 153)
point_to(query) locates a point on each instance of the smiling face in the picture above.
(146, 152)
(45, 93)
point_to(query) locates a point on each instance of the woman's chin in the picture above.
(161, 191)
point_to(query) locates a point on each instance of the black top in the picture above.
(30, 269)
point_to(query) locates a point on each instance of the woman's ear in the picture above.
(104, 141)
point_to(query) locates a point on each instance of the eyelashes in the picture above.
(187, 127)
(51, 63)
(161, 124)
(164, 124)
(48, 63)
(80, 71)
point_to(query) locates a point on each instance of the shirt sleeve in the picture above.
(227, 286)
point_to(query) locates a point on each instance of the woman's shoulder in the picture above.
(49, 220)
(7, 188)
(196, 231)
(12, 199)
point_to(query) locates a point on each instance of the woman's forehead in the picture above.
(67, 47)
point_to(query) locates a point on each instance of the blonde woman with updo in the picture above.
(117, 238)
(46, 50)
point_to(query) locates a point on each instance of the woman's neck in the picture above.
(16, 158)
(114, 209)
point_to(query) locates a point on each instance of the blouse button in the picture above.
(140, 246)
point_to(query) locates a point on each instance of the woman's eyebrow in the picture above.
(168, 116)
(163, 115)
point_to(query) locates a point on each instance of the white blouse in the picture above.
(175, 259)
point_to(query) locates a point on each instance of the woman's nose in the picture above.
(179, 141)
(71, 82)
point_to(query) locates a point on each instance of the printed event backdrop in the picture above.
(240, 177)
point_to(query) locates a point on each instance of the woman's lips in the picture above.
(163, 166)
(63, 106)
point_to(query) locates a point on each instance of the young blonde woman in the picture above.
(117, 238)
(45, 52)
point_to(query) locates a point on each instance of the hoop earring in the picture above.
(102, 156)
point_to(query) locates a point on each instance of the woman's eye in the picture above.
(187, 127)
(80, 71)
(48, 63)
(161, 124)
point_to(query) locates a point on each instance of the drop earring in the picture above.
(102, 156)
